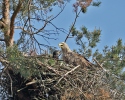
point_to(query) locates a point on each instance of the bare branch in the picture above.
(18, 27)
(99, 64)
(2, 39)
(77, 15)
(41, 28)
(67, 73)
(49, 67)
(11, 84)
(48, 21)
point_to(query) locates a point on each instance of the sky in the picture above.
(109, 17)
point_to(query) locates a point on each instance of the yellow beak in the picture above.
(60, 45)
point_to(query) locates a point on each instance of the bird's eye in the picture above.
(61, 45)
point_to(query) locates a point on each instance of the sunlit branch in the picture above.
(13, 18)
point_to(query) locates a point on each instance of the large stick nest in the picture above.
(44, 78)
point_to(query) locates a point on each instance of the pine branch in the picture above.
(5, 10)
(13, 18)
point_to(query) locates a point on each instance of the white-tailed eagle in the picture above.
(73, 58)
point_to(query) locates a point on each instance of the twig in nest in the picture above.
(49, 67)
(55, 71)
(21, 89)
(67, 73)
(10, 84)
(32, 82)
(99, 64)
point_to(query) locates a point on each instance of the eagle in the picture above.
(73, 58)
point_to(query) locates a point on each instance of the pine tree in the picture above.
(28, 71)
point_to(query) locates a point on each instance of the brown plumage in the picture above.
(73, 58)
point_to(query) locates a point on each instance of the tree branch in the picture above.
(2, 24)
(13, 18)
(77, 15)
(2, 39)
(18, 27)
(5, 11)
(48, 21)
(6, 17)
(67, 73)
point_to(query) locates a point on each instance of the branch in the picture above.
(49, 67)
(67, 73)
(77, 15)
(5, 10)
(4, 61)
(13, 18)
(58, 13)
(2, 24)
(99, 64)
(46, 22)
(2, 39)
(18, 27)
(11, 84)
(6, 17)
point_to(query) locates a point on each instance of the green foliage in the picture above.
(90, 40)
(113, 58)
(27, 66)
(96, 3)
(51, 62)
(20, 63)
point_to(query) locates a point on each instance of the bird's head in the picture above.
(64, 47)
(56, 54)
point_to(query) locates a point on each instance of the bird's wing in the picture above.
(75, 59)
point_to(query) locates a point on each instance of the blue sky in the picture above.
(109, 17)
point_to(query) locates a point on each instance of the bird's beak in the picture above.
(60, 45)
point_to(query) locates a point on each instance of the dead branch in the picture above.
(2, 39)
(67, 74)
(11, 84)
(46, 21)
(98, 63)
(68, 81)
(22, 28)
(49, 67)
(77, 15)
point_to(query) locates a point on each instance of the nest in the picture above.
(45, 78)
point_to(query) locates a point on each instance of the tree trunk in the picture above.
(6, 17)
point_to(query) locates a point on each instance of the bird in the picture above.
(73, 58)
(56, 54)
